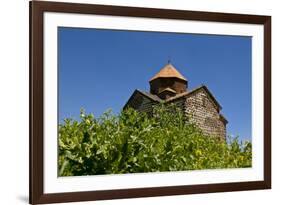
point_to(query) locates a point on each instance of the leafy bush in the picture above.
(132, 142)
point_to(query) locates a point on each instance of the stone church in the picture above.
(170, 86)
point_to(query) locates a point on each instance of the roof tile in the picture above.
(168, 71)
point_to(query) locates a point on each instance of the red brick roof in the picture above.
(168, 71)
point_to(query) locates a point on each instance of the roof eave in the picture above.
(155, 78)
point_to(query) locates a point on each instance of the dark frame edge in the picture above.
(36, 194)
(267, 103)
(150, 192)
(30, 107)
(35, 102)
(99, 9)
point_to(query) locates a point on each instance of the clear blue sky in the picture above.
(100, 69)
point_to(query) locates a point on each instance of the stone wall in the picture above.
(202, 111)
(142, 104)
(179, 102)
(198, 106)
(147, 106)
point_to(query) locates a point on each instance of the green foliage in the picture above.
(132, 142)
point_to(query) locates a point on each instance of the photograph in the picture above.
(129, 102)
(145, 101)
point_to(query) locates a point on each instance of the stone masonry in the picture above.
(169, 86)
(205, 114)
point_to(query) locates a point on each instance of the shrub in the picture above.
(132, 142)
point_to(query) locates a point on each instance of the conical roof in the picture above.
(168, 71)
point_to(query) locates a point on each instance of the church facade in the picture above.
(199, 104)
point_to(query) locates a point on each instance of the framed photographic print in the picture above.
(138, 102)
